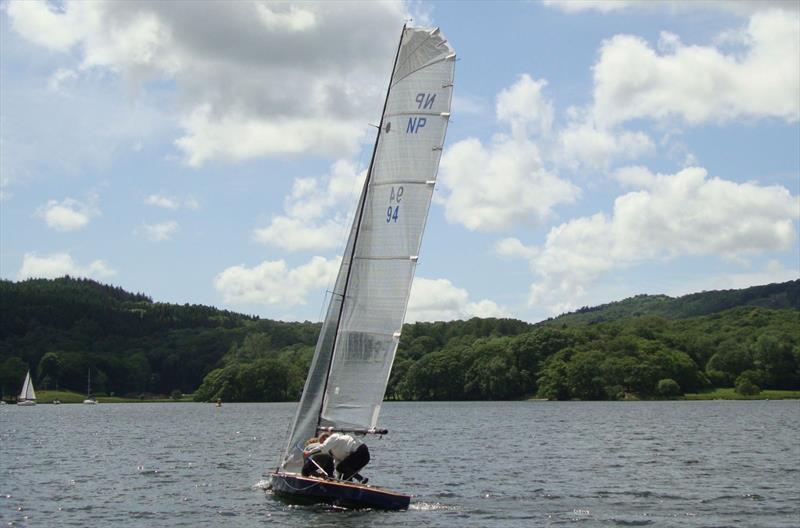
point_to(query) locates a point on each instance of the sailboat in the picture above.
(89, 400)
(359, 336)
(27, 395)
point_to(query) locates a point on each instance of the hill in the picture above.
(60, 329)
(779, 296)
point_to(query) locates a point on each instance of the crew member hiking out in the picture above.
(349, 453)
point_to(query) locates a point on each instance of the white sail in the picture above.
(361, 331)
(27, 392)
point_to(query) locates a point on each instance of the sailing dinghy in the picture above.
(89, 400)
(27, 395)
(359, 337)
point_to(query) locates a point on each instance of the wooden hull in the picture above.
(310, 490)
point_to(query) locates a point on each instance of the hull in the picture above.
(26, 403)
(312, 490)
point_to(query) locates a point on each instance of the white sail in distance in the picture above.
(27, 392)
(359, 337)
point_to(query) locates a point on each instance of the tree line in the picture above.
(61, 328)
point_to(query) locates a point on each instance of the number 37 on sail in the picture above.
(356, 347)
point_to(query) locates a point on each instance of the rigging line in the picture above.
(343, 231)
(357, 224)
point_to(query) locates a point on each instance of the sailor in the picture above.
(316, 462)
(349, 453)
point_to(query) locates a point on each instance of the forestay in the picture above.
(359, 337)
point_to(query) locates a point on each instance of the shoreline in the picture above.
(721, 394)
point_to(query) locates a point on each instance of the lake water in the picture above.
(485, 464)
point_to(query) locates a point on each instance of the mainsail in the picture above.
(27, 392)
(359, 337)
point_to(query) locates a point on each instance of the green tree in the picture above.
(668, 388)
(50, 368)
(726, 365)
(493, 375)
(552, 382)
(584, 378)
(746, 387)
(775, 357)
(12, 374)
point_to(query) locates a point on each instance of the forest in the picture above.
(648, 346)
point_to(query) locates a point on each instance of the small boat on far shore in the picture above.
(89, 400)
(27, 396)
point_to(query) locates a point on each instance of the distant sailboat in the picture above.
(357, 344)
(27, 396)
(89, 400)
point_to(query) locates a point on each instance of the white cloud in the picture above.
(236, 137)
(513, 248)
(668, 216)
(295, 19)
(254, 79)
(293, 234)
(60, 264)
(737, 7)
(171, 202)
(70, 126)
(46, 26)
(67, 215)
(274, 283)
(440, 300)
(162, 201)
(678, 83)
(701, 84)
(524, 107)
(316, 213)
(577, 6)
(59, 77)
(584, 144)
(494, 187)
(159, 232)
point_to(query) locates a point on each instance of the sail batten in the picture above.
(359, 337)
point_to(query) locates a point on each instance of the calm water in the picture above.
(468, 464)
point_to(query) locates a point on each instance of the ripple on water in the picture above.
(606, 458)
(632, 522)
(431, 506)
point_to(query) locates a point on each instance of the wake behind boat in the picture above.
(359, 337)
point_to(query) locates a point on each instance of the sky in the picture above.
(212, 153)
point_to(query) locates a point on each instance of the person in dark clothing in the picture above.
(349, 453)
(319, 465)
(352, 464)
(316, 463)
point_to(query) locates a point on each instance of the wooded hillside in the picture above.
(645, 346)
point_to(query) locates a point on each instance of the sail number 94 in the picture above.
(395, 197)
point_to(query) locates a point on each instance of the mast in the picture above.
(360, 214)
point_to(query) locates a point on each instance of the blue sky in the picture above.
(212, 153)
